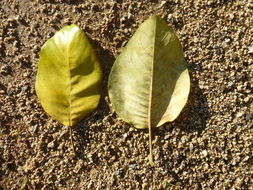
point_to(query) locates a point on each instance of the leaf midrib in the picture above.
(70, 85)
(151, 83)
(150, 100)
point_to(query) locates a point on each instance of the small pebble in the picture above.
(248, 116)
(228, 40)
(132, 166)
(9, 92)
(35, 128)
(204, 153)
(250, 48)
(230, 84)
(51, 144)
(25, 88)
(117, 172)
(240, 114)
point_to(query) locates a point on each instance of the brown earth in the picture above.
(209, 146)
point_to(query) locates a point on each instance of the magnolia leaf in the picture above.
(149, 82)
(69, 76)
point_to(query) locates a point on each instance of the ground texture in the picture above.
(209, 146)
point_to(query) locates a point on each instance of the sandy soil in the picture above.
(209, 146)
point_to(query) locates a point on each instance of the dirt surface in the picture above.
(209, 146)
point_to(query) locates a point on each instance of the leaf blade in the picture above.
(69, 76)
(138, 74)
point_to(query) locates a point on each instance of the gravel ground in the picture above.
(209, 146)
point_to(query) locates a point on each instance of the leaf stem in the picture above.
(71, 141)
(150, 123)
(151, 160)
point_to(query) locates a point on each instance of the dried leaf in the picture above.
(149, 82)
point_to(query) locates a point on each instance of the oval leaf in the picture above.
(149, 82)
(69, 76)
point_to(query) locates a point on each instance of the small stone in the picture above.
(204, 153)
(66, 21)
(162, 4)
(210, 3)
(206, 166)
(240, 87)
(246, 158)
(191, 147)
(248, 116)
(117, 172)
(25, 74)
(1, 115)
(250, 48)
(132, 166)
(240, 114)
(251, 108)
(231, 16)
(34, 128)
(5, 69)
(234, 57)
(9, 92)
(2, 92)
(216, 46)
(228, 40)
(89, 185)
(129, 15)
(51, 145)
(170, 16)
(25, 88)
(230, 83)
(246, 99)
(13, 114)
(124, 43)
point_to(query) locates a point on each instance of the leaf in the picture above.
(149, 82)
(69, 76)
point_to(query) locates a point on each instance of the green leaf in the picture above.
(69, 76)
(149, 82)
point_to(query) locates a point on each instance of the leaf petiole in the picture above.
(151, 160)
(71, 141)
